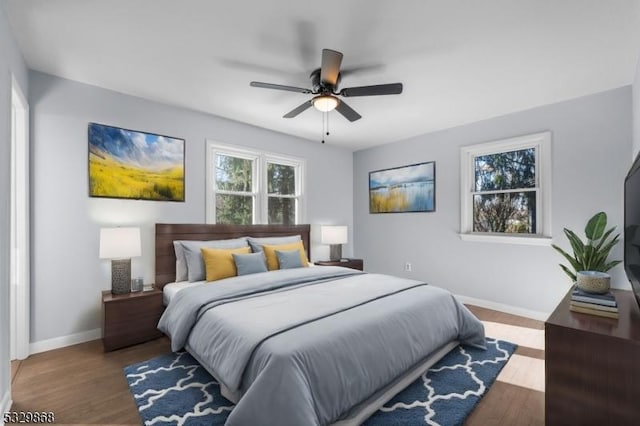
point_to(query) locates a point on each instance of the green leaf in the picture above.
(604, 251)
(589, 254)
(596, 225)
(576, 244)
(604, 237)
(574, 263)
(611, 265)
(568, 272)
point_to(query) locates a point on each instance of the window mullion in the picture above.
(539, 202)
(258, 214)
(282, 196)
(504, 191)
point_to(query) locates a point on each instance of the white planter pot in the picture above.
(593, 281)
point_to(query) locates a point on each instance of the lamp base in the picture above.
(121, 276)
(335, 252)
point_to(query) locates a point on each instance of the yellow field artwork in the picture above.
(109, 178)
(135, 165)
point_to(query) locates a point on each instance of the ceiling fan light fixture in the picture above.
(325, 103)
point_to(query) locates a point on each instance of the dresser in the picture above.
(593, 366)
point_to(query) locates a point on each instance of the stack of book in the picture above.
(603, 305)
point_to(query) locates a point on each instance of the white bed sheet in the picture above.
(171, 289)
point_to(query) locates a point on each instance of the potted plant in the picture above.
(589, 260)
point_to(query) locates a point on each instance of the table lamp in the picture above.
(120, 245)
(335, 236)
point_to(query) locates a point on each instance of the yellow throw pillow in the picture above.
(219, 263)
(272, 258)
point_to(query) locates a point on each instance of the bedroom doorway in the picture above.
(20, 259)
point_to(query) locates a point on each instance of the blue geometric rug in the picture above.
(174, 389)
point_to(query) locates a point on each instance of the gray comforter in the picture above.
(303, 346)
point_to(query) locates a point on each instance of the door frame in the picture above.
(19, 285)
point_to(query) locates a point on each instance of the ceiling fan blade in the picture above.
(330, 67)
(348, 112)
(361, 69)
(279, 87)
(297, 110)
(380, 89)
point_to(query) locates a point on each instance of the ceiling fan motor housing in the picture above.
(322, 88)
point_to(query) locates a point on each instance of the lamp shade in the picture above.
(333, 234)
(120, 243)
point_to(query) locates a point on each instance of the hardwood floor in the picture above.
(83, 385)
(508, 403)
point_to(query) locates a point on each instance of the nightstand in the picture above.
(347, 263)
(129, 319)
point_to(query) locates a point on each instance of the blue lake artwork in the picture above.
(403, 189)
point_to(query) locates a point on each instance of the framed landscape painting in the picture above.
(135, 165)
(403, 189)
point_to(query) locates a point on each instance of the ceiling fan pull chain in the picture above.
(323, 127)
(327, 122)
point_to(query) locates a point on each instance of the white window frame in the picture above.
(260, 161)
(542, 144)
(285, 161)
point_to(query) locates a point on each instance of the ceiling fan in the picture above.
(324, 82)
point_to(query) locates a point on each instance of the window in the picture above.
(506, 190)
(249, 187)
(282, 196)
(235, 196)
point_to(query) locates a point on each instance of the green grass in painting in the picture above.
(110, 178)
(394, 201)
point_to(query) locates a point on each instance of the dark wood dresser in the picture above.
(593, 366)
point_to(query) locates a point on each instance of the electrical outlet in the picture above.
(407, 266)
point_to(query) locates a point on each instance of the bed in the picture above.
(307, 346)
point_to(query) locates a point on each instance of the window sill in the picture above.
(507, 239)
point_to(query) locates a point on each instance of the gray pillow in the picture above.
(251, 263)
(257, 243)
(181, 262)
(289, 259)
(193, 256)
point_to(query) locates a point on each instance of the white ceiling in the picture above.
(460, 61)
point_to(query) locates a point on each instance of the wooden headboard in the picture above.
(166, 233)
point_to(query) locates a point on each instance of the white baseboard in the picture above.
(5, 405)
(61, 342)
(509, 309)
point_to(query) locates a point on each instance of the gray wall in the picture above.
(11, 62)
(591, 142)
(636, 111)
(67, 275)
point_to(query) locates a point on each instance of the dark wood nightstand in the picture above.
(347, 263)
(129, 319)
